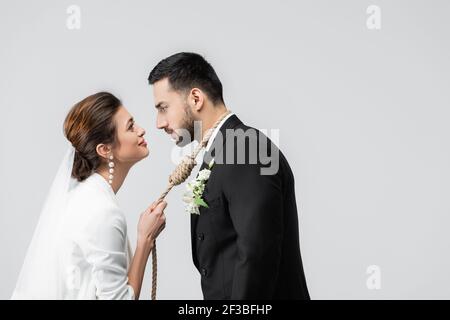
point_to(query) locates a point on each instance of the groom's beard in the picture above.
(186, 134)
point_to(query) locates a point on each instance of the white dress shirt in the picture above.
(202, 153)
(216, 130)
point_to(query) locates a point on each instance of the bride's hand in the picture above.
(151, 223)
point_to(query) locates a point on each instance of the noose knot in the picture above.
(182, 171)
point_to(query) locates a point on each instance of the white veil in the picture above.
(41, 276)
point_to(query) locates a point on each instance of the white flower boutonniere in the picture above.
(195, 188)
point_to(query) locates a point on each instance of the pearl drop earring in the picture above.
(111, 169)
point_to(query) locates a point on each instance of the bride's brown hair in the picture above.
(89, 123)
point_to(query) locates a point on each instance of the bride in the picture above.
(80, 248)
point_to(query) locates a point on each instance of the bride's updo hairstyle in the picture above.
(89, 123)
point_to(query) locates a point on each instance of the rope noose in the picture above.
(178, 176)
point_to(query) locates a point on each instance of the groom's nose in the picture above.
(161, 123)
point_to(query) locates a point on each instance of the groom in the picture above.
(245, 237)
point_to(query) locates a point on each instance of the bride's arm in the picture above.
(151, 223)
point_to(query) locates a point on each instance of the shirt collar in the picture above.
(216, 130)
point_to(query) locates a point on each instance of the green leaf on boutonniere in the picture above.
(200, 202)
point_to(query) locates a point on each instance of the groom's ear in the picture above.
(196, 99)
(103, 150)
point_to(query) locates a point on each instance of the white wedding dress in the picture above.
(80, 249)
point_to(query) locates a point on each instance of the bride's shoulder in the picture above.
(92, 202)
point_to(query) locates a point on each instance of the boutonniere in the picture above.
(195, 188)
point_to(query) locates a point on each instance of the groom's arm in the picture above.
(256, 209)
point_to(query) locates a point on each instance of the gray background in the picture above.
(363, 118)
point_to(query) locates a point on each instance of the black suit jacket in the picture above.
(246, 243)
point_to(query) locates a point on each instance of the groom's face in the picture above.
(174, 114)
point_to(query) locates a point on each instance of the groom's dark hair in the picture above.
(186, 70)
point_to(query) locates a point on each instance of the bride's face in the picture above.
(130, 146)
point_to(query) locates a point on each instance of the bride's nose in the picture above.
(141, 132)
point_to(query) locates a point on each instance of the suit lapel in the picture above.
(216, 147)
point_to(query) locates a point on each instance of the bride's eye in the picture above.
(131, 126)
